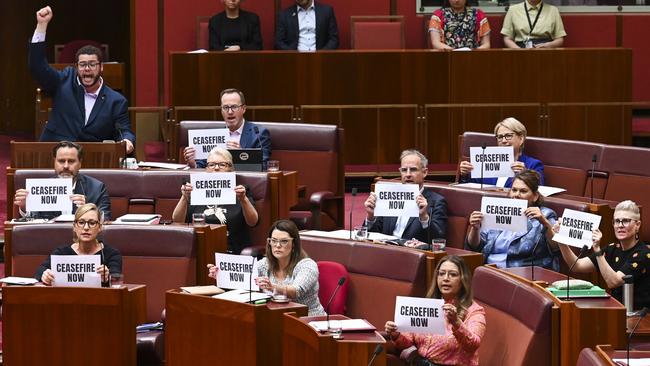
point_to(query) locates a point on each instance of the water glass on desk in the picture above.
(335, 328)
(117, 280)
(438, 244)
(198, 219)
(279, 293)
(273, 165)
(361, 233)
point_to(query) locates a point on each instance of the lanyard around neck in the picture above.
(532, 25)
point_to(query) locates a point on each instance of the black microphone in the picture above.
(354, 194)
(103, 261)
(118, 127)
(250, 284)
(532, 263)
(329, 302)
(482, 162)
(377, 351)
(642, 315)
(593, 168)
(582, 252)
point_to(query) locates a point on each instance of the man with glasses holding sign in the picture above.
(83, 107)
(243, 134)
(432, 208)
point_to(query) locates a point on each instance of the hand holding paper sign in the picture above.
(20, 197)
(369, 205)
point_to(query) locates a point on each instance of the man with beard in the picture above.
(83, 107)
(432, 220)
(67, 162)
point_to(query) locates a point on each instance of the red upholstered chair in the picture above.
(588, 357)
(377, 32)
(202, 32)
(65, 54)
(329, 274)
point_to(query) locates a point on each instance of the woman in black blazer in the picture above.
(234, 29)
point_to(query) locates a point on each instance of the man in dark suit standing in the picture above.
(83, 107)
(432, 220)
(307, 26)
(243, 134)
(67, 162)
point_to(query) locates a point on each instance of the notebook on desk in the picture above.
(247, 160)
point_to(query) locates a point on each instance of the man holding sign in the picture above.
(446, 335)
(239, 216)
(67, 162)
(629, 256)
(242, 134)
(514, 247)
(431, 219)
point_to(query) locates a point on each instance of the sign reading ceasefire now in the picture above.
(504, 214)
(50, 194)
(396, 199)
(203, 141)
(235, 271)
(419, 315)
(576, 228)
(76, 270)
(213, 189)
(496, 161)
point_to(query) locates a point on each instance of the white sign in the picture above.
(504, 214)
(419, 315)
(76, 270)
(203, 141)
(235, 271)
(576, 228)
(49, 194)
(497, 161)
(396, 199)
(213, 189)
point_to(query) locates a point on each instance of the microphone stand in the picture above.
(377, 351)
(329, 302)
(582, 252)
(482, 163)
(354, 194)
(532, 263)
(250, 284)
(593, 168)
(642, 315)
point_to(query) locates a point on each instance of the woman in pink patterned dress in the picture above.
(464, 319)
(457, 25)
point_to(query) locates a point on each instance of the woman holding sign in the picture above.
(86, 226)
(629, 256)
(464, 320)
(518, 249)
(239, 217)
(509, 132)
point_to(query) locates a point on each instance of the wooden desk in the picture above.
(428, 92)
(38, 155)
(583, 322)
(71, 326)
(201, 330)
(607, 353)
(305, 346)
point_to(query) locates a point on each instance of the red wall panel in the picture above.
(414, 24)
(635, 36)
(146, 49)
(590, 30)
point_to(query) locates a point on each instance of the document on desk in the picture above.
(348, 325)
(345, 234)
(633, 361)
(242, 296)
(18, 280)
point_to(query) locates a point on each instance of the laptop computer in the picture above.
(247, 160)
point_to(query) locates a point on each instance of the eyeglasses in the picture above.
(409, 169)
(221, 165)
(624, 222)
(282, 242)
(507, 136)
(91, 65)
(450, 274)
(82, 223)
(234, 107)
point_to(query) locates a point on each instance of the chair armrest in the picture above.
(317, 198)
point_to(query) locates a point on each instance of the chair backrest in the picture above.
(519, 320)
(202, 32)
(377, 32)
(588, 357)
(329, 275)
(66, 53)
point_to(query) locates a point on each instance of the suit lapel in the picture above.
(79, 96)
(246, 134)
(293, 19)
(99, 103)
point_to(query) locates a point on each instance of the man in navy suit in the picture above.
(83, 107)
(432, 220)
(243, 134)
(307, 26)
(67, 162)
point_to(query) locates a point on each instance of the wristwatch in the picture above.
(599, 253)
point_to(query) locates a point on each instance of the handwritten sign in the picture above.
(76, 270)
(203, 141)
(213, 189)
(235, 271)
(49, 194)
(419, 315)
(496, 161)
(504, 214)
(396, 199)
(576, 228)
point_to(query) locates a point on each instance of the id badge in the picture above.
(529, 43)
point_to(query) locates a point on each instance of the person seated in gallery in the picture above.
(533, 24)
(457, 25)
(509, 132)
(234, 29)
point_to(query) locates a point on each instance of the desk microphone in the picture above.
(103, 261)
(377, 351)
(593, 168)
(250, 284)
(642, 315)
(582, 252)
(118, 127)
(354, 194)
(329, 302)
(532, 263)
(482, 163)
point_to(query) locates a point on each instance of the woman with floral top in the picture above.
(456, 25)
